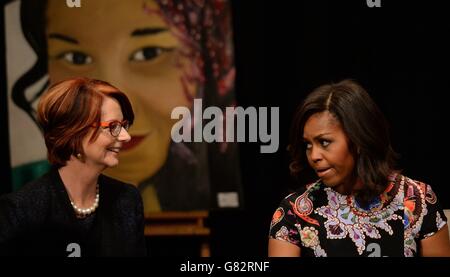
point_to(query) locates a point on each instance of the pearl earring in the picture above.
(79, 156)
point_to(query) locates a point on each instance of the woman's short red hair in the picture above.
(68, 110)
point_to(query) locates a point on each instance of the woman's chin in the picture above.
(329, 182)
(111, 163)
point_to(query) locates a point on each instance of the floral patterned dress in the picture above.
(323, 222)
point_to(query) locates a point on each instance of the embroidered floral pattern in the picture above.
(282, 234)
(342, 221)
(288, 235)
(303, 206)
(430, 196)
(415, 210)
(277, 216)
(319, 252)
(309, 237)
(319, 220)
(439, 221)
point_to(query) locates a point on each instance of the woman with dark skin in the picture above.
(74, 207)
(360, 206)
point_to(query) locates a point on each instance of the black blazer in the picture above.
(38, 220)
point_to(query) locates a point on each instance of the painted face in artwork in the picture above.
(120, 42)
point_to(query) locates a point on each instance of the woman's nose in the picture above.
(315, 154)
(124, 136)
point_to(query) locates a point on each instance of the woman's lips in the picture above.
(322, 172)
(134, 141)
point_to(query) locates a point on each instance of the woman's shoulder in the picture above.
(418, 191)
(29, 204)
(304, 192)
(32, 192)
(416, 187)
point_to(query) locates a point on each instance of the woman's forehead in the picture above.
(118, 14)
(110, 108)
(318, 123)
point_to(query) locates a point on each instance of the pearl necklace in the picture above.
(85, 212)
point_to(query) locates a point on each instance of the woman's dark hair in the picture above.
(70, 109)
(33, 22)
(364, 125)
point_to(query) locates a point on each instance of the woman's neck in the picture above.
(80, 182)
(351, 186)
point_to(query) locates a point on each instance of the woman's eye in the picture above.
(325, 143)
(75, 57)
(308, 145)
(148, 53)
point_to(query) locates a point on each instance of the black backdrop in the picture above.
(283, 50)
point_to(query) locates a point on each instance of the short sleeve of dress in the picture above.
(434, 219)
(284, 223)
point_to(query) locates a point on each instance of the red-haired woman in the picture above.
(74, 209)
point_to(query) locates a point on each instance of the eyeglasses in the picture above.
(115, 126)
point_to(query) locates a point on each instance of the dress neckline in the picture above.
(377, 204)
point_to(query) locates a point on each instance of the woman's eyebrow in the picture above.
(148, 31)
(63, 37)
(319, 136)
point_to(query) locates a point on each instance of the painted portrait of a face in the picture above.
(162, 54)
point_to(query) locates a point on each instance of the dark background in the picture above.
(283, 50)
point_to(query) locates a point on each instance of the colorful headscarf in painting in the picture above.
(204, 27)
